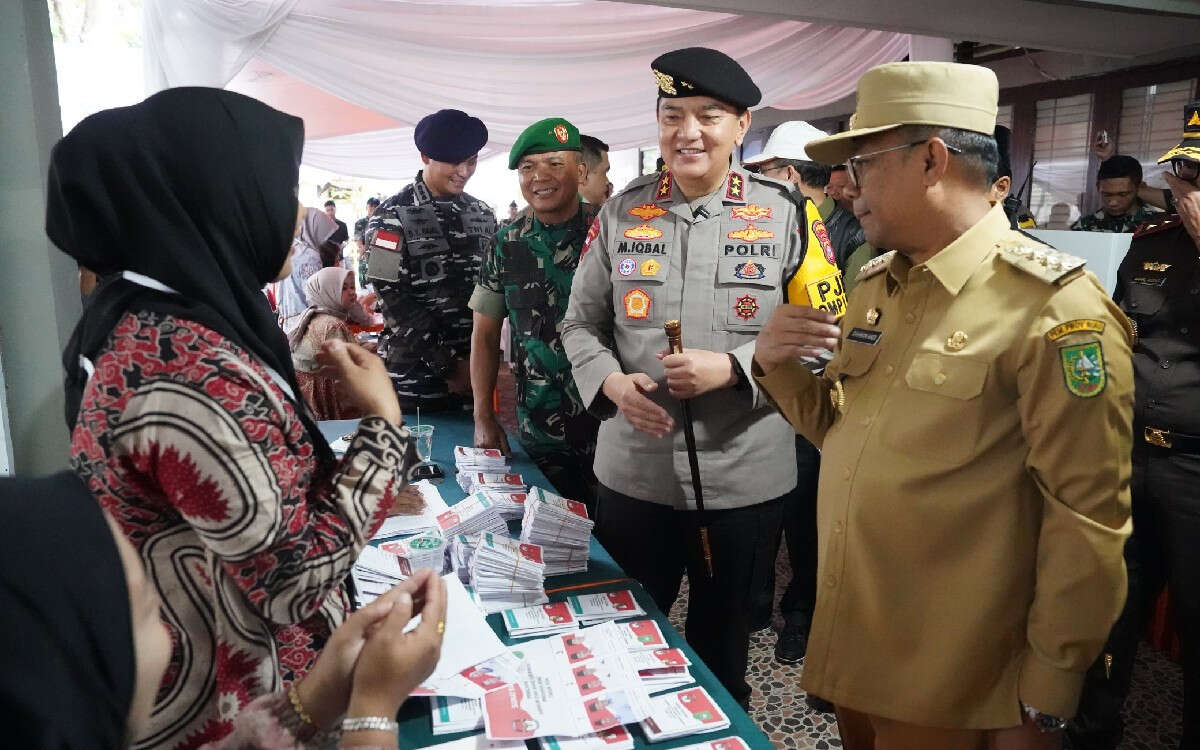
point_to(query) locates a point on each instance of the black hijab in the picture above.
(66, 638)
(196, 189)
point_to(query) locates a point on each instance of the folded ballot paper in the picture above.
(683, 713)
(611, 605)
(507, 574)
(663, 669)
(416, 523)
(568, 687)
(561, 527)
(617, 738)
(540, 620)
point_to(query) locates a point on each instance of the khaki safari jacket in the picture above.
(648, 260)
(974, 490)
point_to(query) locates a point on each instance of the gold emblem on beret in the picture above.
(666, 83)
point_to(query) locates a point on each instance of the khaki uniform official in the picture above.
(974, 490)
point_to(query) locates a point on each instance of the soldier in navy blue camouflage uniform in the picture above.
(425, 245)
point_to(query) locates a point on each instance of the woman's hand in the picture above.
(363, 377)
(393, 662)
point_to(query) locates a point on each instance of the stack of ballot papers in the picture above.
(561, 527)
(462, 549)
(491, 460)
(473, 481)
(611, 605)
(541, 620)
(452, 715)
(473, 515)
(510, 505)
(428, 550)
(663, 669)
(682, 713)
(724, 743)
(374, 573)
(507, 574)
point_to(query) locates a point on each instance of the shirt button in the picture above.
(831, 581)
(866, 421)
(846, 473)
(838, 527)
(939, 378)
(1184, 329)
(909, 317)
(889, 369)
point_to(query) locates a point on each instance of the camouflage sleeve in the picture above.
(488, 297)
(412, 325)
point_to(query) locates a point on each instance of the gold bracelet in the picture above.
(298, 707)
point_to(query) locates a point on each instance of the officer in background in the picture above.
(974, 434)
(1117, 181)
(733, 241)
(527, 279)
(360, 237)
(595, 188)
(425, 245)
(1002, 186)
(1157, 287)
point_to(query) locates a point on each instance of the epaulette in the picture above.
(874, 266)
(1154, 226)
(1041, 260)
(638, 182)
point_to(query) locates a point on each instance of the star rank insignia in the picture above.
(663, 191)
(736, 187)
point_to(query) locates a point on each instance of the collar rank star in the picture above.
(746, 307)
(647, 211)
(663, 191)
(637, 304)
(736, 187)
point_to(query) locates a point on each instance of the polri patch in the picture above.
(1075, 326)
(1083, 369)
(637, 304)
(864, 336)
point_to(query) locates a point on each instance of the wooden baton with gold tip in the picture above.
(675, 344)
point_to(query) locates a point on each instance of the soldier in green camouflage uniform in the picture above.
(1117, 182)
(527, 278)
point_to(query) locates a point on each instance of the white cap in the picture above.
(787, 141)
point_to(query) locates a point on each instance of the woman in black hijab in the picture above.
(182, 398)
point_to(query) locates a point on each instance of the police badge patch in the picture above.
(627, 266)
(746, 307)
(1083, 369)
(750, 270)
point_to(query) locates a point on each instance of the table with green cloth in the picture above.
(603, 574)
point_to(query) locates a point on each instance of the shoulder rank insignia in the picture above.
(735, 187)
(874, 266)
(1042, 261)
(663, 191)
(1155, 226)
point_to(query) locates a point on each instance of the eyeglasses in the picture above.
(1185, 169)
(854, 161)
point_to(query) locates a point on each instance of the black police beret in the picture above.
(700, 71)
(450, 135)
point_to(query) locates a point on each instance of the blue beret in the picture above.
(450, 135)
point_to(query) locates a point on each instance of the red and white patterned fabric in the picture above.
(196, 452)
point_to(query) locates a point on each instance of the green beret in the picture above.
(551, 134)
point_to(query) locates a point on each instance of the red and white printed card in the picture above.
(684, 712)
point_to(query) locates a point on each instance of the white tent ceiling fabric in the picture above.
(508, 62)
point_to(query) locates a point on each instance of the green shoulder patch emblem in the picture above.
(1083, 369)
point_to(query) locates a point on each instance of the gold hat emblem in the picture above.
(750, 234)
(956, 341)
(666, 83)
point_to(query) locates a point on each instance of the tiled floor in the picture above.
(1153, 711)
